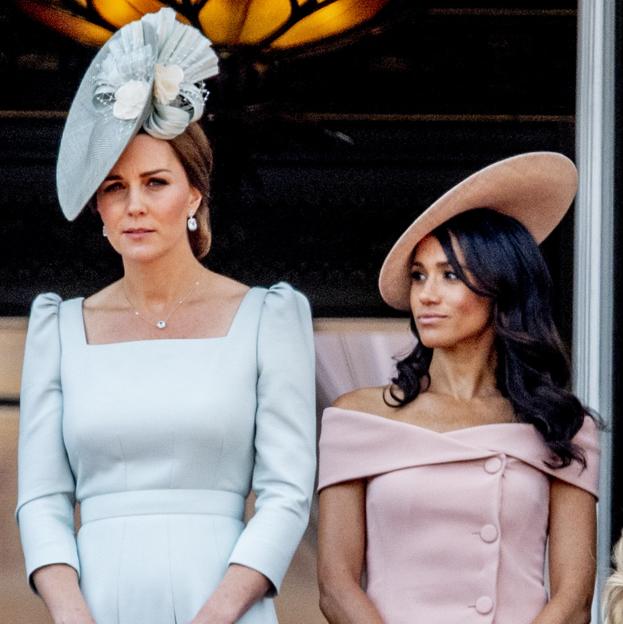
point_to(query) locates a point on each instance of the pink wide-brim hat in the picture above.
(536, 188)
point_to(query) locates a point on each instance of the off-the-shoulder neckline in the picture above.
(402, 423)
(233, 322)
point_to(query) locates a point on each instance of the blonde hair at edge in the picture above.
(613, 592)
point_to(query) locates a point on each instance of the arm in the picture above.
(57, 585)
(341, 550)
(572, 557)
(284, 463)
(45, 507)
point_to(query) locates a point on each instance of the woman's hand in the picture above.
(572, 557)
(58, 587)
(77, 616)
(236, 593)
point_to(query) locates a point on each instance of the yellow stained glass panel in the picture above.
(117, 12)
(225, 22)
(333, 19)
(147, 6)
(222, 20)
(263, 19)
(66, 23)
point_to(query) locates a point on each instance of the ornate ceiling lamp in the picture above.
(264, 25)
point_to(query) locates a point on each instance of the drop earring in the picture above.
(191, 223)
(104, 232)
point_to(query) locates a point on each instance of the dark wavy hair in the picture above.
(532, 372)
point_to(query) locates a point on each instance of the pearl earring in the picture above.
(191, 224)
(104, 232)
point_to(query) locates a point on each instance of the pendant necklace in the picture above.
(160, 323)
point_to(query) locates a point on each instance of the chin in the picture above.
(140, 254)
(437, 340)
(438, 344)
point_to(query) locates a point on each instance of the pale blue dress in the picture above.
(160, 441)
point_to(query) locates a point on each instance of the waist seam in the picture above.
(162, 502)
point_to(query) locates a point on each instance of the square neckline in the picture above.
(234, 320)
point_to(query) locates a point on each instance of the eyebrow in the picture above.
(437, 264)
(142, 175)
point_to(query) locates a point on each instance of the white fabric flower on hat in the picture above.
(130, 99)
(167, 81)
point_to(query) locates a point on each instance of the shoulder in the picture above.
(377, 401)
(44, 314)
(107, 297)
(368, 400)
(282, 302)
(46, 303)
(225, 287)
(284, 292)
(585, 477)
(43, 328)
(285, 334)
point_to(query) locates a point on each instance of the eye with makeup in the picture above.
(110, 188)
(156, 182)
(449, 275)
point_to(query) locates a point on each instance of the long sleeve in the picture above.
(45, 506)
(285, 439)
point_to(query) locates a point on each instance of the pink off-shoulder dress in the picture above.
(457, 522)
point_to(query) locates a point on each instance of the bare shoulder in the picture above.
(107, 298)
(363, 400)
(227, 288)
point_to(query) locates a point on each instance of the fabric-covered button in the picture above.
(484, 604)
(493, 465)
(488, 533)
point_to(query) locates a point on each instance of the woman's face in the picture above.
(145, 200)
(446, 312)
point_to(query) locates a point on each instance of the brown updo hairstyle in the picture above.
(193, 150)
(195, 154)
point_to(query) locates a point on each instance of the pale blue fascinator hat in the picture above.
(148, 75)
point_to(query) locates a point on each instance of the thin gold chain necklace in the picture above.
(161, 323)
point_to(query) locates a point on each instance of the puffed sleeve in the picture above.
(285, 436)
(45, 501)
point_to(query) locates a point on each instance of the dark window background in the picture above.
(322, 158)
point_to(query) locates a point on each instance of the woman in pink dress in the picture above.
(444, 488)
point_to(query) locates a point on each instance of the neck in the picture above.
(465, 371)
(158, 283)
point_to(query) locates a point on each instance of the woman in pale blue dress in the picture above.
(161, 401)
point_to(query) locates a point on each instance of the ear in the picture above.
(95, 209)
(195, 198)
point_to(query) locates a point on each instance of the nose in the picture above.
(135, 201)
(429, 293)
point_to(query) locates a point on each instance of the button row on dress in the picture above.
(484, 604)
(493, 465)
(488, 533)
